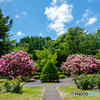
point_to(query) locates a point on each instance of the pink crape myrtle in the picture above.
(79, 63)
(16, 64)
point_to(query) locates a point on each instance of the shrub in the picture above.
(15, 64)
(86, 81)
(49, 72)
(61, 73)
(36, 77)
(80, 63)
(37, 73)
(17, 87)
(98, 82)
(0, 88)
(92, 82)
(61, 76)
(7, 86)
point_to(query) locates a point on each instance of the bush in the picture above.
(61, 76)
(7, 86)
(17, 87)
(92, 82)
(98, 82)
(49, 72)
(36, 77)
(15, 64)
(0, 88)
(84, 83)
(79, 63)
(37, 73)
(87, 81)
(61, 73)
(13, 85)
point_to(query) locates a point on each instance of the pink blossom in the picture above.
(16, 63)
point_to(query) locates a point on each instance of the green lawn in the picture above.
(65, 93)
(29, 93)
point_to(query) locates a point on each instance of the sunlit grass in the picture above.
(65, 93)
(29, 93)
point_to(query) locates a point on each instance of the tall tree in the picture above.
(5, 26)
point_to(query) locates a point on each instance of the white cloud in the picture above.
(77, 21)
(24, 13)
(59, 15)
(90, 0)
(40, 34)
(20, 33)
(17, 16)
(87, 13)
(91, 21)
(85, 16)
(53, 2)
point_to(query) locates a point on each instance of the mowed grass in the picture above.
(65, 93)
(29, 93)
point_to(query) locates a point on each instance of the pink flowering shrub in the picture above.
(79, 63)
(16, 64)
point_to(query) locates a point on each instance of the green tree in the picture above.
(49, 72)
(43, 56)
(5, 26)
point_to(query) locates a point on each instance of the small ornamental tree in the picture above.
(79, 63)
(49, 72)
(16, 64)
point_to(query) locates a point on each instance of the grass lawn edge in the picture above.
(59, 93)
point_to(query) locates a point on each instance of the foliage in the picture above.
(98, 82)
(16, 86)
(80, 63)
(49, 72)
(15, 64)
(43, 56)
(37, 73)
(85, 82)
(5, 26)
(92, 82)
(22, 46)
(75, 41)
(36, 77)
(0, 88)
(61, 76)
(61, 73)
(35, 43)
(7, 86)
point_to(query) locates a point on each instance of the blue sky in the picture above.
(50, 17)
